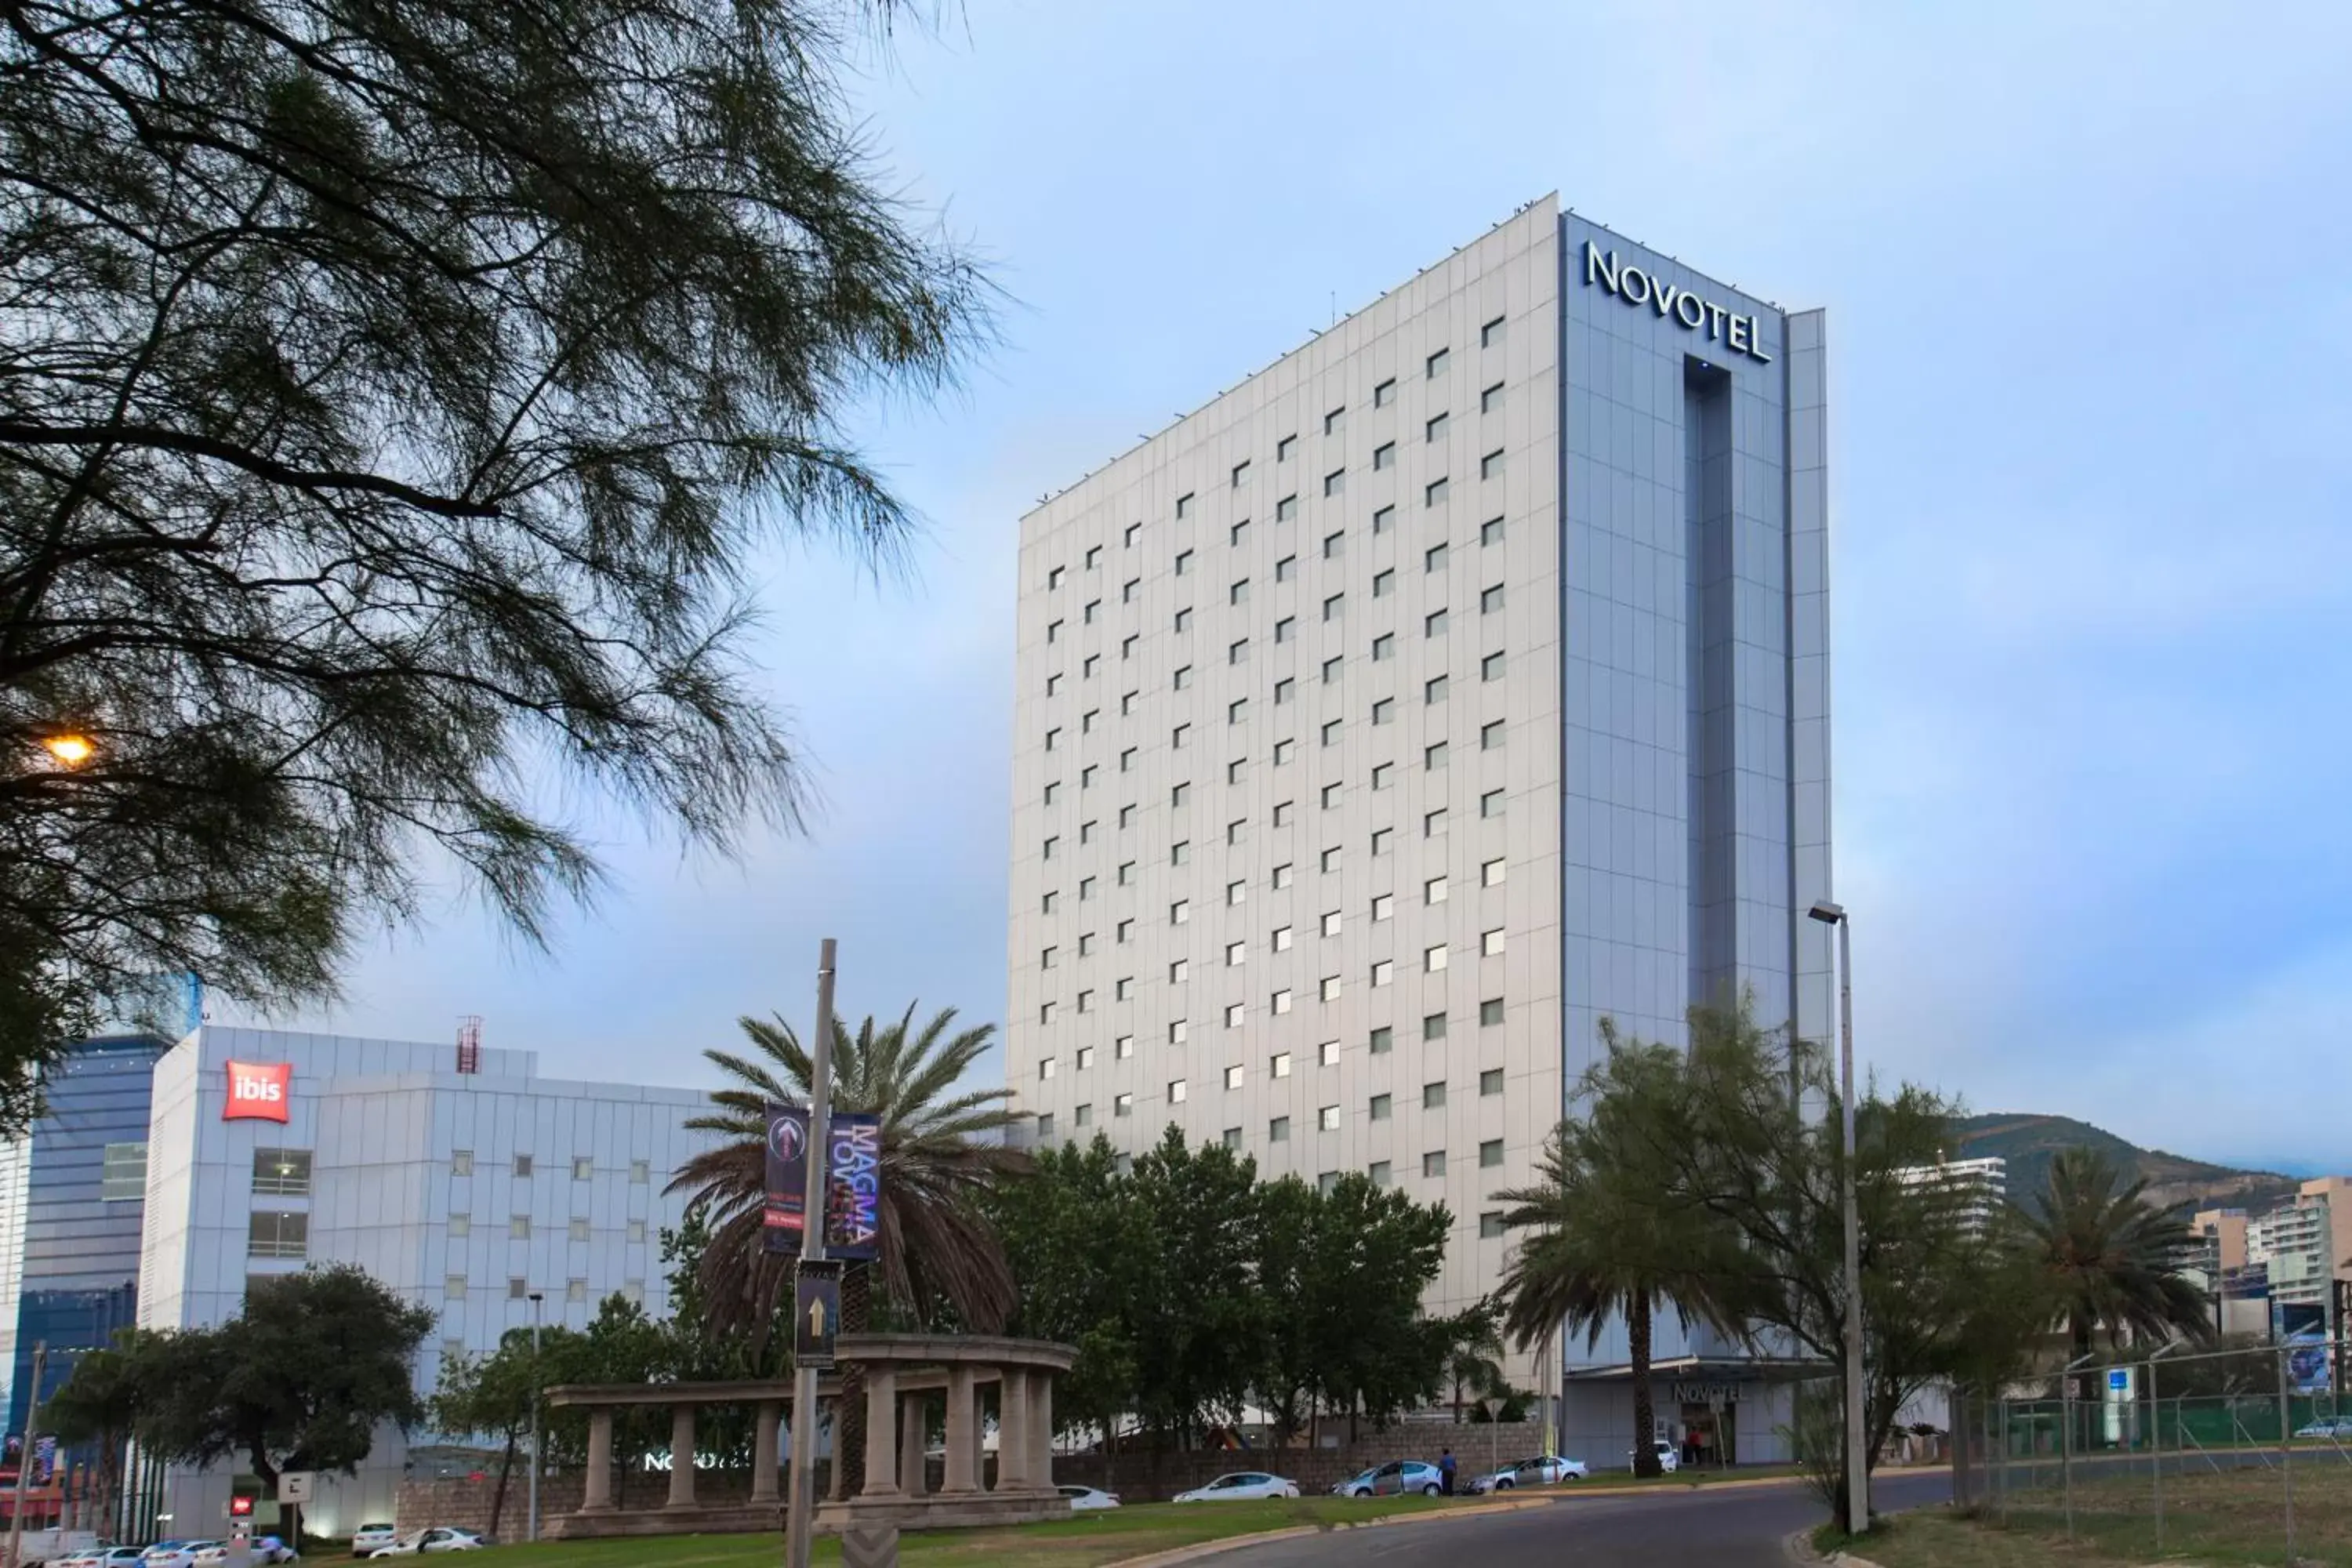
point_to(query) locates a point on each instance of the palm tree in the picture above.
(1609, 1235)
(1470, 1360)
(937, 1255)
(2105, 1251)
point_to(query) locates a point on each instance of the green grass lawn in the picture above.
(1083, 1540)
(2235, 1520)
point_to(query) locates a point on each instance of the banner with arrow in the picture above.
(816, 1312)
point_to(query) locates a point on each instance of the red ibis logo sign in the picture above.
(258, 1090)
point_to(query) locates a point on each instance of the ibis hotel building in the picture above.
(1456, 681)
(458, 1177)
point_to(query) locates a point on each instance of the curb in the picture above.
(1798, 1547)
(1200, 1549)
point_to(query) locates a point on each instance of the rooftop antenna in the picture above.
(469, 1043)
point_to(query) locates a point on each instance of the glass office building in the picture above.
(1454, 682)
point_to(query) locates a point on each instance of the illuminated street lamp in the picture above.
(70, 747)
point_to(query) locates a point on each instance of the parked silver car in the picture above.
(1399, 1478)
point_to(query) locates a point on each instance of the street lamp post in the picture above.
(1857, 1457)
(536, 1298)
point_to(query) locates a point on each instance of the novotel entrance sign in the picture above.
(1637, 288)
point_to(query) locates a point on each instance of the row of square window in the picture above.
(461, 1226)
(1380, 1043)
(1434, 624)
(455, 1287)
(1434, 691)
(1435, 365)
(1493, 804)
(1493, 736)
(1433, 891)
(1490, 944)
(583, 1167)
(1433, 960)
(1434, 559)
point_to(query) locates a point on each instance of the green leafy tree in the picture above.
(1473, 1363)
(1201, 1333)
(98, 1404)
(301, 1381)
(1377, 1252)
(2104, 1254)
(395, 401)
(936, 1252)
(491, 1395)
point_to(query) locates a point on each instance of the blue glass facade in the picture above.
(85, 1194)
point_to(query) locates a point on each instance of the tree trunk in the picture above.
(1457, 1402)
(1645, 1413)
(498, 1494)
(850, 1416)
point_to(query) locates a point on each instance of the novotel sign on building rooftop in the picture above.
(1692, 313)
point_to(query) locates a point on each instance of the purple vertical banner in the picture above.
(787, 1180)
(852, 1218)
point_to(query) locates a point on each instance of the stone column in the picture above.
(837, 1475)
(1041, 1428)
(1013, 1430)
(881, 1430)
(914, 1424)
(596, 1486)
(963, 1434)
(681, 1455)
(764, 1455)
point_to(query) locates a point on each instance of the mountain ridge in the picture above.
(2028, 1141)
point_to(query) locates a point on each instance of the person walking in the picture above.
(1445, 1471)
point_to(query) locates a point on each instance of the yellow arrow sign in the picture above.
(816, 1319)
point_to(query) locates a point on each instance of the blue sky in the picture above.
(2090, 319)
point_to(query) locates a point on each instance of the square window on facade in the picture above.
(1086, 1001)
(1383, 647)
(1490, 944)
(1126, 873)
(1047, 956)
(1121, 989)
(1490, 1224)
(1328, 1182)
(1285, 690)
(1332, 668)
(1334, 606)
(1435, 365)
(1490, 1153)
(1490, 1012)
(1052, 740)
(1179, 1031)
(1278, 1130)
(1285, 508)
(1384, 456)
(1182, 678)
(1280, 1002)
(1490, 1083)
(1050, 900)
(1329, 988)
(1126, 644)
(1237, 652)
(1433, 623)
(575, 1290)
(1380, 837)
(1126, 931)
(1492, 734)
(1122, 1047)
(1053, 578)
(1086, 1055)
(1331, 923)
(1046, 1013)
(1384, 394)
(1284, 750)
(1052, 684)
(1432, 1027)
(1086, 890)
(1094, 557)
(1282, 875)
(453, 1287)
(579, 1229)
(1180, 852)
(1434, 755)
(1433, 891)
(1490, 600)
(1237, 893)
(1241, 474)
(1284, 448)
(1491, 803)
(1434, 492)
(1433, 1097)
(1384, 584)
(1433, 690)
(1334, 546)
(1239, 593)
(1285, 629)
(1236, 710)
(1130, 590)
(1053, 631)
(522, 1165)
(461, 1226)
(1491, 333)
(519, 1227)
(1127, 816)
(1432, 430)
(1044, 1124)
(1380, 1040)
(1179, 971)
(1331, 796)
(1383, 907)
(1490, 533)
(1176, 1092)
(1491, 667)
(1326, 1119)
(277, 1173)
(1234, 1076)
(1236, 952)
(1331, 858)
(1433, 1163)
(1433, 822)
(1232, 1139)
(1185, 505)
(1379, 1107)
(1490, 466)
(1378, 1173)
(1434, 558)
(1335, 481)
(1278, 1065)
(1134, 532)
(1087, 775)
(1285, 813)
(1179, 795)
(1383, 519)
(1334, 420)
(1330, 732)
(1327, 1054)
(1180, 737)
(1184, 620)
(1281, 941)
(1183, 564)
(1383, 973)
(1383, 775)
(1122, 1105)
(635, 1231)
(1093, 610)
(1084, 1116)
(1384, 710)
(1287, 568)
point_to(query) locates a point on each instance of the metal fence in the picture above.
(2244, 1452)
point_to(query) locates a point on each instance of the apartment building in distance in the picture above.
(1456, 681)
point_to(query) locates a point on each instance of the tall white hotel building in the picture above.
(1456, 681)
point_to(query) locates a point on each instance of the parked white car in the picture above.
(368, 1537)
(1536, 1472)
(101, 1557)
(174, 1553)
(439, 1538)
(1668, 1460)
(1241, 1485)
(1084, 1497)
(265, 1549)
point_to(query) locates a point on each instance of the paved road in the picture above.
(1702, 1528)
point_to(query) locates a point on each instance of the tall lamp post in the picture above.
(1857, 1459)
(536, 1298)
